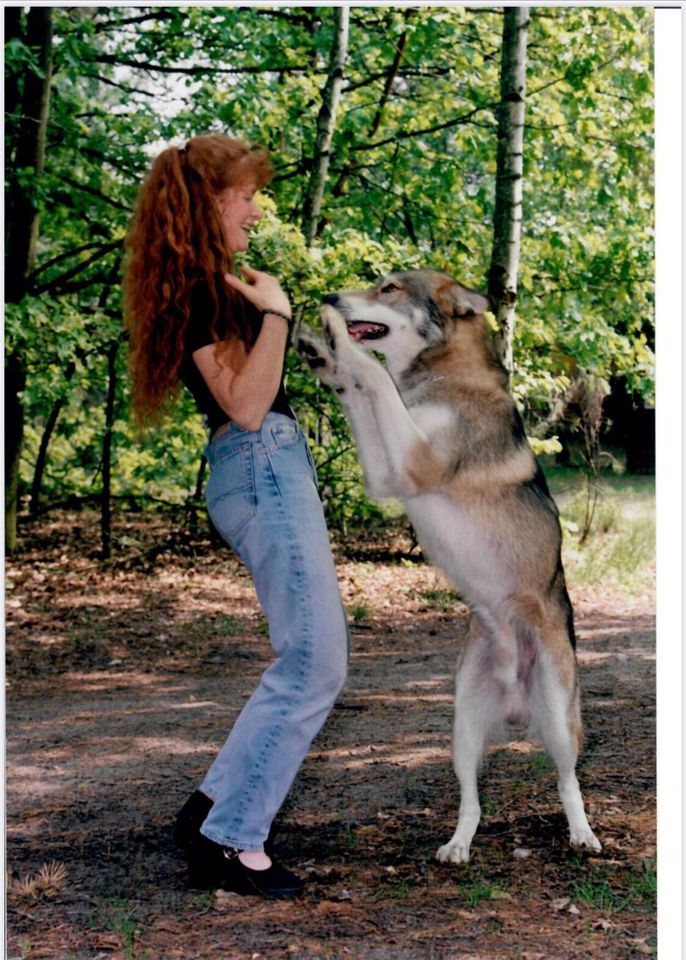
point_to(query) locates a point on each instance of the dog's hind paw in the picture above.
(453, 852)
(584, 837)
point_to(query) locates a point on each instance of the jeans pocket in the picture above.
(230, 494)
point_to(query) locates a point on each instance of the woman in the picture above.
(191, 319)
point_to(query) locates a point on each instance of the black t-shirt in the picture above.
(198, 335)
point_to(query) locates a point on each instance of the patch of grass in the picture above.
(623, 556)
(398, 890)
(205, 900)
(621, 546)
(358, 612)
(597, 893)
(47, 882)
(349, 838)
(475, 893)
(541, 764)
(643, 883)
(443, 600)
(118, 916)
(226, 626)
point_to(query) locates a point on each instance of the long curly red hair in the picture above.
(175, 242)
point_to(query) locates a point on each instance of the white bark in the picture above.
(507, 218)
(326, 124)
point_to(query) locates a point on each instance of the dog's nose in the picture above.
(331, 298)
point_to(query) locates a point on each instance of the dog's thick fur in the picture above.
(438, 428)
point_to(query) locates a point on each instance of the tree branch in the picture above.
(114, 60)
(160, 15)
(85, 188)
(119, 86)
(456, 121)
(94, 245)
(60, 285)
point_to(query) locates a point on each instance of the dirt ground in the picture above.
(123, 679)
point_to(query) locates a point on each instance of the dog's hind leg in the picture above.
(472, 727)
(555, 702)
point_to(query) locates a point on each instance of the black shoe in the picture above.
(190, 818)
(211, 866)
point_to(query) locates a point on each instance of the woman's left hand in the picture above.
(262, 290)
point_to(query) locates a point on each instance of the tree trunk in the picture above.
(507, 217)
(42, 458)
(191, 520)
(106, 495)
(22, 213)
(14, 30)
(326, 123)
(20, 237)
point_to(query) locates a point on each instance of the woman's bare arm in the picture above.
(245, 385)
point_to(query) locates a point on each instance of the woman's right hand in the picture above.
(262, 290)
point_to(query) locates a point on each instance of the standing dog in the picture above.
(439, 429)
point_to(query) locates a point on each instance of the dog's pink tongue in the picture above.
(360, 330)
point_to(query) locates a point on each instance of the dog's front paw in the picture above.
(320, 361)
(583, 836)
(334, 329)
(455, 851)
(351, 360)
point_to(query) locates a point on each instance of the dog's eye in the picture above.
(389, 287)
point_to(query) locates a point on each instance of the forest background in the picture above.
(410, 100)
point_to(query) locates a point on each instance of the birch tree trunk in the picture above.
(507, 217)
(326, 123)
(21, 234)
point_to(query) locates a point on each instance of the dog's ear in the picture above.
(454, 300)
(468, 303)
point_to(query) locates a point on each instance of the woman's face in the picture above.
(239, 213)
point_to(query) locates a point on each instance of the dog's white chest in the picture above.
(434, 418)
(457, 541)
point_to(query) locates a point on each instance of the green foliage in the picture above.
(411, 183)
(621, 548)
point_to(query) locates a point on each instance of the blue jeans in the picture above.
(262, 498)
